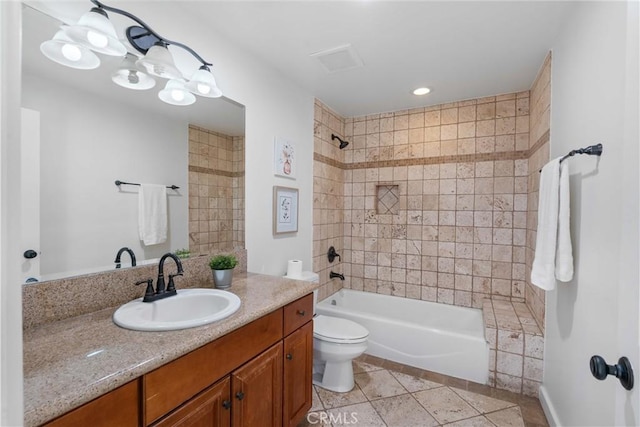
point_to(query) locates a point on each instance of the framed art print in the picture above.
(285, 210)
(284, 160)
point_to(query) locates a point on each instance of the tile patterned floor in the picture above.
(395, 395)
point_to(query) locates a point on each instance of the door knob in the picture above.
(226, 404)
(30, 253)
(240, 395)
(622, 370)
(289, 356)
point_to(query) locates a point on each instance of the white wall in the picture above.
(588, 106)
(85, 145)
(275, 106)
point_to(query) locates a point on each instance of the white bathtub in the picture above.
(435, 337)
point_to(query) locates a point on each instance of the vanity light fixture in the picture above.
(74, 46)
(175, 93)
(159, 62)
(421, 91)
(202, 83)
(130, 76)
(64, 51)
(95, 31)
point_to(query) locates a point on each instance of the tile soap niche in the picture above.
(387, 199)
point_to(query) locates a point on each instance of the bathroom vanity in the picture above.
(253, 368)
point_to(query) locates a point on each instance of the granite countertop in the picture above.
(72, 361)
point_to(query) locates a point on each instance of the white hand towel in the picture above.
(553, 257)
(152, 214)
(564, 251)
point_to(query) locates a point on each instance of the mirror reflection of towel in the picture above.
(152, 214)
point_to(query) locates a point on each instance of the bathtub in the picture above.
(436, 337)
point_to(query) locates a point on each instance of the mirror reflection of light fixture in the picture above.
(159, 62)
(128, 75)
(175, 93)
(204, 84)
(63, 50)
(74, 46)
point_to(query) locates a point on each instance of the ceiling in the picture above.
(461, 50)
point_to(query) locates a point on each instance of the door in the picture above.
(298, 369)
(211, 408)
(256, 390)
(30, 182)
(628, 402)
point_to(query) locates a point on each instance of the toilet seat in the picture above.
(338, 330)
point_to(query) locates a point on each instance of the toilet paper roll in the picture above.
(294, 268)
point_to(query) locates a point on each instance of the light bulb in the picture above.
(71, 52)
(97, 39)
(177, 95)
(421, 91)
(204, 89)
(133, 77)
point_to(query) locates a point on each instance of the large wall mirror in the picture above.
(82, 132)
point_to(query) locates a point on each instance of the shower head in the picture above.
(343, 143)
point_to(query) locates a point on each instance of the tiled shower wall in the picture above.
(237, 185)
(328, 200)
(457, 231)
(539, 155)
(216, 170)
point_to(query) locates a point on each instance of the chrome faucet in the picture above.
(160, 292)
(131, 254)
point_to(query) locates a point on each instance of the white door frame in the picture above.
(11, 377)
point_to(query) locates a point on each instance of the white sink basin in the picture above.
(188, 309)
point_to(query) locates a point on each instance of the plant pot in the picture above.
(222, 278)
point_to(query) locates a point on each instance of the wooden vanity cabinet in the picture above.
(257, 375)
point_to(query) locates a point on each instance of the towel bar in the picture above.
(119, 183)
(592, 150)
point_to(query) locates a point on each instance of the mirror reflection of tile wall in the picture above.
(216, 191)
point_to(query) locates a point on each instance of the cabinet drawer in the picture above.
(298, 313)
(171, 385)
(119, 407)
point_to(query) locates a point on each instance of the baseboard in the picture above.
(547, 407)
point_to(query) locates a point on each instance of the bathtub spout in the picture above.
(333, 275)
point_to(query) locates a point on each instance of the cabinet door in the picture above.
(298, 367)
(211, 408)
(257, 390)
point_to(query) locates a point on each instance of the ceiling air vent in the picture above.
(338, 58)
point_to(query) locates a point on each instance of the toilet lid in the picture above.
(336, 329)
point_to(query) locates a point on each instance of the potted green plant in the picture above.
(222, 268)
(183, 253)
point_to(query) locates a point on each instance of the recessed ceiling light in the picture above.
(421, 91)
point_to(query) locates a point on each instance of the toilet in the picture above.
(336, 342)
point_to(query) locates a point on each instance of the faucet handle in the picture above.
(171, 286)
(149, 292)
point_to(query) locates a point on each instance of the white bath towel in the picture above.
(564, 251)
(553, 258)
(152, 214)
